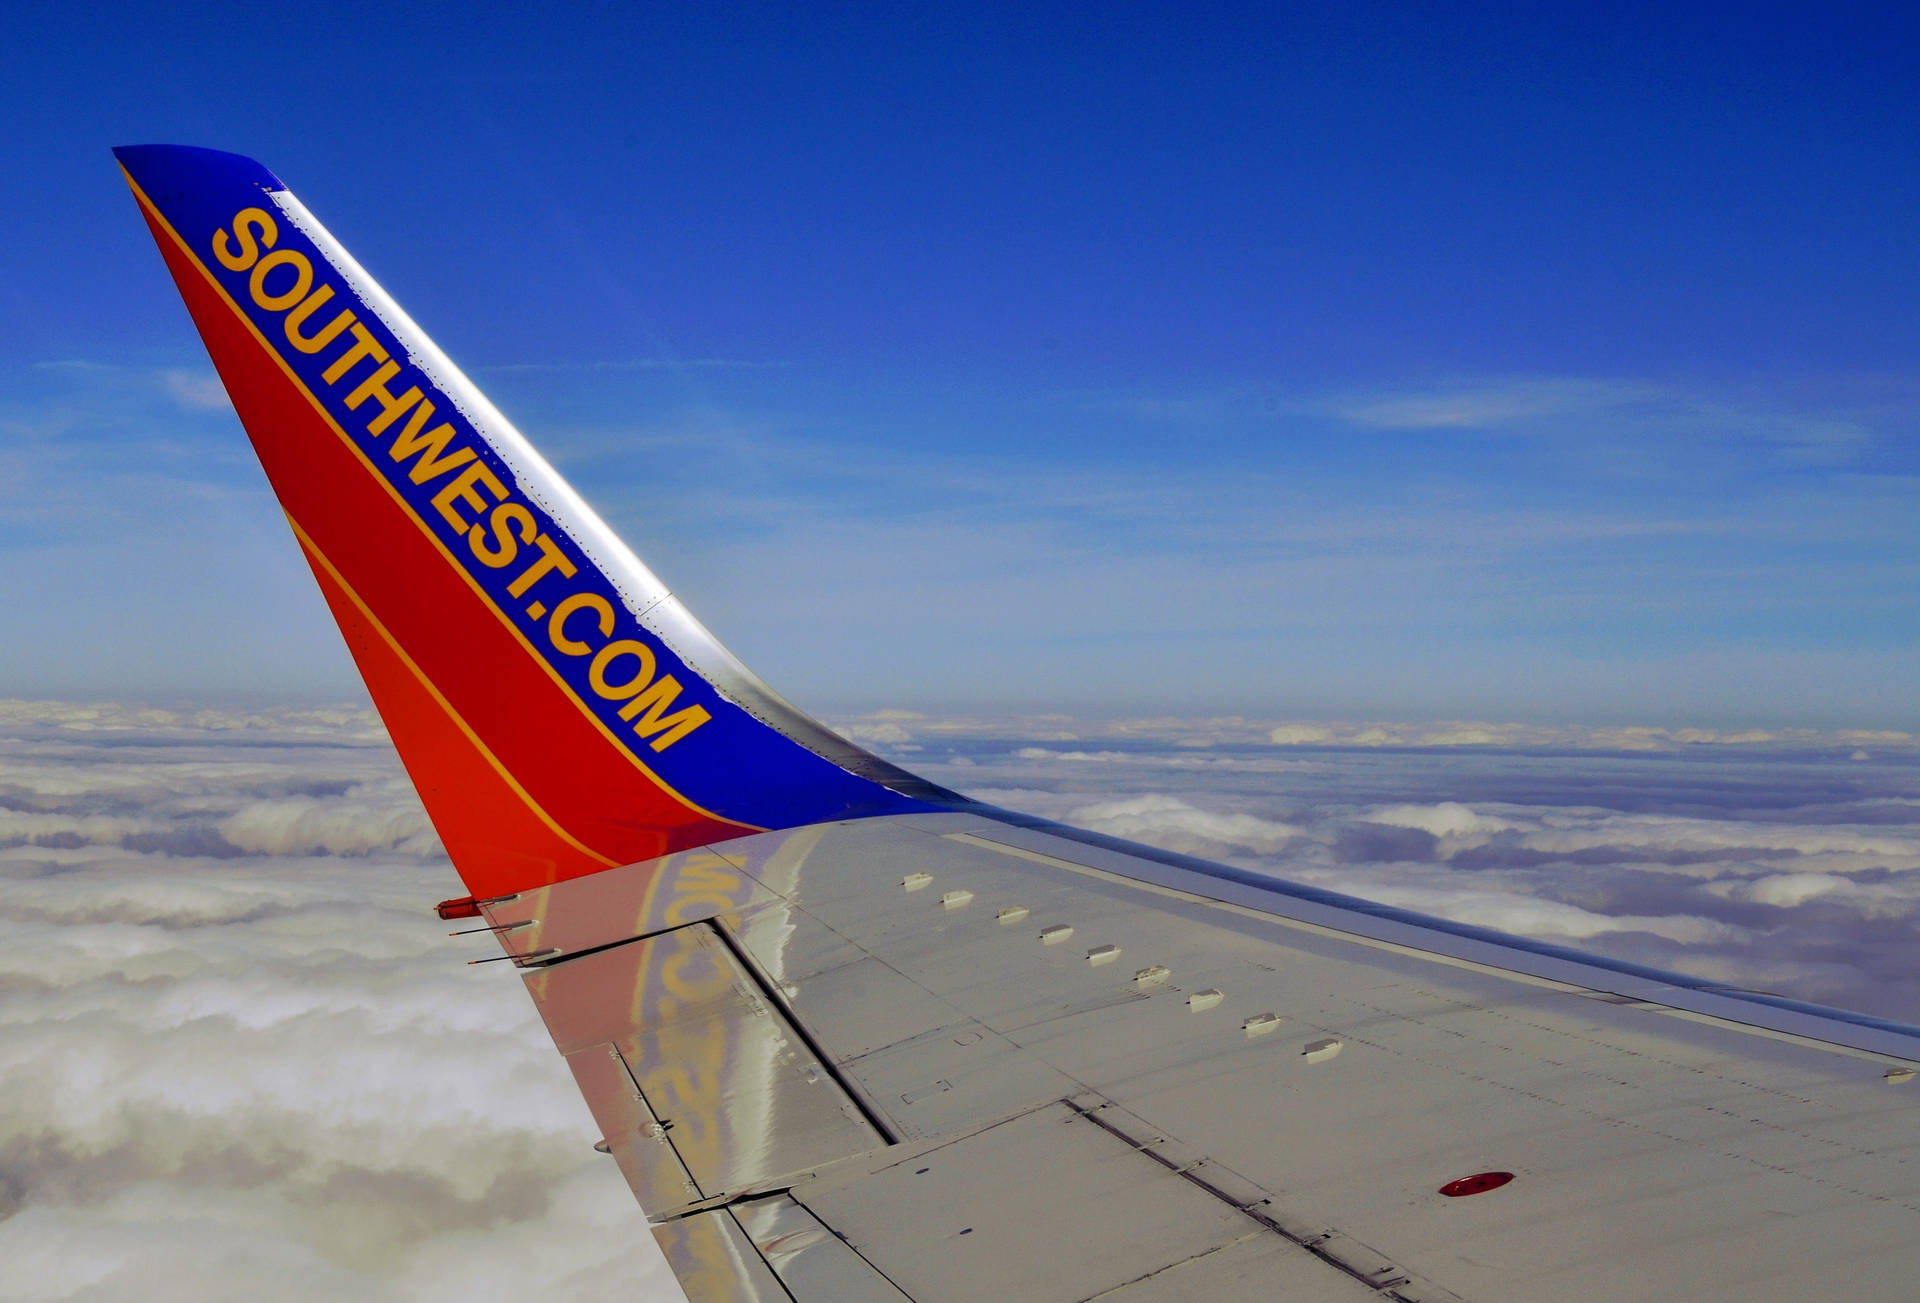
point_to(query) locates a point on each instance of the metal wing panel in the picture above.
(810, 1260)
(1350, 1065)
(723, 1075)
(715, 1262)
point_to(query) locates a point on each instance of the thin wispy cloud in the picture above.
(816, 525)
(1493, 405)
(1621, 412)
(199, 391)
(631, 364)
(99, 387)
(1250, 735)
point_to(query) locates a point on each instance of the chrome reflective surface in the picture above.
(715, 1262)
(811, 1261)
(738, 1094)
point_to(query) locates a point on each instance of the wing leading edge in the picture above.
(851, 1037)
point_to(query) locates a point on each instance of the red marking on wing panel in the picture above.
(589, 787)
(1478, 1183)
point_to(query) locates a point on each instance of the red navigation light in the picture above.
(1478, 1183)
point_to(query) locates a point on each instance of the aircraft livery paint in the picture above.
(550, 731)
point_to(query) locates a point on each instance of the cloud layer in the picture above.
(902, 730)
(240, 1058)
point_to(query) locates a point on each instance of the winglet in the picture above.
(558, 708)
(166, 173)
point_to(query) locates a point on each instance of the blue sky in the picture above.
(1549, 364)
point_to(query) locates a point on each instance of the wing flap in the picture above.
(632, 1134)
(1052, 1207)
(715, 1262)
(813, 1263)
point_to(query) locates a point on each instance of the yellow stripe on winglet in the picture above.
(506, 621)
(312, 549)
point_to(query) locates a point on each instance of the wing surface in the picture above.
(953, 1057)
(851, 1037)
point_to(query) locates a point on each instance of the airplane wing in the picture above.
(853, 1037)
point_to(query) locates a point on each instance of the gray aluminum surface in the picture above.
(1094, 1131)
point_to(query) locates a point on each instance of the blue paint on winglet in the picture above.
(166, 171)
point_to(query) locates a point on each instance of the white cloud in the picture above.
(1173, 824)
(1532, 916)
(1851, 846)
(1447, 819)
(367, 818)
(1078, 757)
(240, 1057)
(1403, 734)
(336, 725)
(1791, 889)
(199, 391)
(884, 732)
